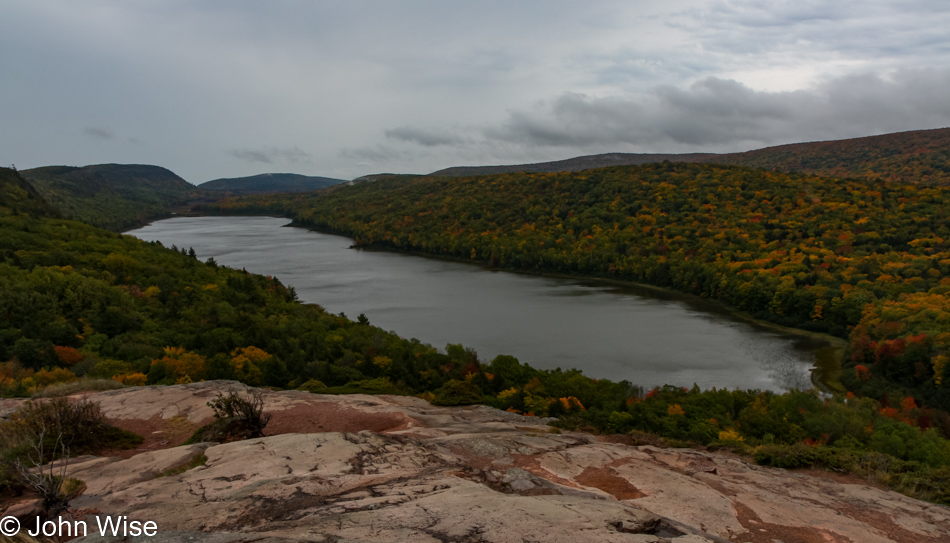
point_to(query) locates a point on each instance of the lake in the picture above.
(646, 336)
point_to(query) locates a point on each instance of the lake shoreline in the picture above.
(825, 374)
(617, 341)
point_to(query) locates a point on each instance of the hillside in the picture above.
(861, 259)
(574, 164)
(17, 196)
(270, 182)
(80, 302)
(390, 468)
(921, 156)
(112, 196)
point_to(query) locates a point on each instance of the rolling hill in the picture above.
(920, 156)
(575, 164)
(270, 182)
(111, 196)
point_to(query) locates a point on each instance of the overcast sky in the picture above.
(346, 88)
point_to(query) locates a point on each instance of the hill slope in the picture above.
(920, 156)
(111, 196)
(574, 164)
(18, 196)
(270, 182)
(797, 250)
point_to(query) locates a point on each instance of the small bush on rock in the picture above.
(236, 417)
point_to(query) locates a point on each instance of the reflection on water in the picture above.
(645, 336)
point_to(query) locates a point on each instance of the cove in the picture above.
(611, 331)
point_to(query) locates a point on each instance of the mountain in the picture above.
(111, 196)
(920, 156)
(270, 182)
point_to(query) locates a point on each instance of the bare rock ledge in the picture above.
(389, 468)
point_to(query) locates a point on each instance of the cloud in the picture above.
(370, 154)
(427, 84)
(100, 132)
(716, 113)
(270, 155)
(422, 136)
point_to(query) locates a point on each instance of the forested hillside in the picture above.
(112, 196)
(921, 156)
(575, 164)
(79, 302)
(270, 182)
(865, 260)
(19, 196)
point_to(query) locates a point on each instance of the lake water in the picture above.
(608, 331)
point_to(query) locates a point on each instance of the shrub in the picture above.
(38, 470)
(78, 425)
(82, 385)
(38, 440)
(313, 385)
(457, 392)
(236, 416)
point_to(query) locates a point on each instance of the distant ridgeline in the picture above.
(921, 156)
(78, 301)
(270, 182)
(112, 196)
(865, 260)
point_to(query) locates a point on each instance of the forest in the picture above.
(915, 157)
(112, 196)
(864, 260)
(78, 303)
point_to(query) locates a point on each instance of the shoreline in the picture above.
(827, 349)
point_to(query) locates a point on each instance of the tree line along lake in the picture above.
(609, 331)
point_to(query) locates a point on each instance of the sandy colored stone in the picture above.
(107, 475)
(422, 473)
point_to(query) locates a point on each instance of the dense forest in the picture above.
(78, 302)
(269, 182)
(917, 157)
(112, 196)
(864, 260)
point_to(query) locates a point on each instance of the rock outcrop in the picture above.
(387, 468)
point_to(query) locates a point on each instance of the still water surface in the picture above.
(608, 331)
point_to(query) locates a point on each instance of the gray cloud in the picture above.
(270, 155)
(100, 132)
(417, 85)
(370, 154)
(719, 113)
(422, 136)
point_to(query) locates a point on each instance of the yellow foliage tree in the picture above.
(134, 379)
(246, 363)
(45, 378)
(180, 363)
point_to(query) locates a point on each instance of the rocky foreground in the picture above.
(388, 468)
